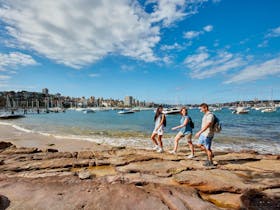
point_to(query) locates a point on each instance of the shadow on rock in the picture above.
(255, 200)
(4, 202)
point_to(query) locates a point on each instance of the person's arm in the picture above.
(161, 121)
(186, 121)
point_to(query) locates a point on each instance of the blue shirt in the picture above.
(186, 129)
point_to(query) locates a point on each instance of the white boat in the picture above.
(269, 109)
(126, 112)
(241, 110)
(215, 109)
(170, 111)
(88, 111)
(136, 109)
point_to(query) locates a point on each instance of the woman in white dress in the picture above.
(160, 123)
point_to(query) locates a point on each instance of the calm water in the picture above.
(256, 130)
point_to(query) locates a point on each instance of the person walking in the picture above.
(185, 131)
(160, 123)
(206, 134)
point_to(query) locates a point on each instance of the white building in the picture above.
(128, 101)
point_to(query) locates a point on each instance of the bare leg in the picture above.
(160, 141)
(153, 138)
(202, 148)
(176, 141)
(191, 146)
(209, 154)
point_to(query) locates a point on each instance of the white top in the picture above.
(208, 117)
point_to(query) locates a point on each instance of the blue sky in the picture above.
(166, 51)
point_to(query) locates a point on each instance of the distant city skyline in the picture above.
(174, 52)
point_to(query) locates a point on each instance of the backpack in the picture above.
(191, 123)
(217, 126)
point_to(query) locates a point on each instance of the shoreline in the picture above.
(43, 139)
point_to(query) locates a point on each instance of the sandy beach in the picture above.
(25, 139)
(43, 172)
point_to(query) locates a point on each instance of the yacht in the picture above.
(170, 111)
(269, 109)
(241, 110)
(126, 112)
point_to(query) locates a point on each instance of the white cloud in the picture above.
(4, 77)
(174, 46)
(14, 60)
(191, 34)
(94, 75)
(208, 28)
(167, 59)
(204, 65)
(194, 34)
(257, 71)
(169, 11)
(274, 32)
(127, 68)
(77, 33)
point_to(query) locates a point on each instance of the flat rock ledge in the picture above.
(125, 178)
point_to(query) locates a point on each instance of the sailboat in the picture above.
(9, 107)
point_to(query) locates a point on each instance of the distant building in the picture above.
(45, 91)
(128, 100)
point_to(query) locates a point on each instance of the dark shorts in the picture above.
(205, 141)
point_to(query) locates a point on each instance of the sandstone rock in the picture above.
(5, 145)
(236, 158)
(212, 180)
(73, 193)
(224, 200)
(84, 175)
(156, 167)
(176, 197)
(4, 202)
(51, 150)
(273, 193)
(21, 150)
(259, 166)
(85, 155)
(253, 199)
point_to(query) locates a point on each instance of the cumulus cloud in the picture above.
(14, 60)
(208, 28)
(191, 34)
(204, 65)
(257, 71)
(194, 34)
(77, 33)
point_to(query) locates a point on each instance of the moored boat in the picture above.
(11, 116)
(126, 112)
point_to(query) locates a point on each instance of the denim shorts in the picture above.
(205, 141)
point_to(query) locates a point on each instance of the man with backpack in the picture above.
(206, 133)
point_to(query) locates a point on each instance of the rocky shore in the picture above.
(125, 178)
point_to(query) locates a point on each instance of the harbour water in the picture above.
(254, 131)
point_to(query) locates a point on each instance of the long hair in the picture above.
(157, 112)
(184, 108)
